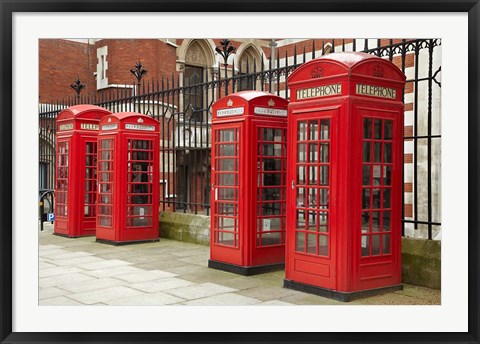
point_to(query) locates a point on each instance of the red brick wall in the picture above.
(60, 62)
(157, 57)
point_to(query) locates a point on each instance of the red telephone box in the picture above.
(128, 182)
(248, 183)
(344, 175)
(76, 170)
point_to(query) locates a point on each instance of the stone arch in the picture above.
(197, 52)
(248, 51)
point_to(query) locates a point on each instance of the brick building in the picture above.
(103, 66)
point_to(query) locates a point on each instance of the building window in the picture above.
(102, 67)
(193, 99)
(249, 64)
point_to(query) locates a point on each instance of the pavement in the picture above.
(81, 271)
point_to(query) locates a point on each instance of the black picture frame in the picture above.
(9, 7)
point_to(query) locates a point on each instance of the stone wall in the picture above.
(421, 259)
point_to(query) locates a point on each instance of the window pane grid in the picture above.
(226, 182)
(61, 206)
(313, 187)
(105, 182)
(271, 190)
(140, 183)
(376, 187)
(90, 179)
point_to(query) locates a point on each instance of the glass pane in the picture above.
(302, 153)
(386, 244)
(388, 130)
(271, 238)
(366, 175)
(105, 221)
(387, 152)
(311, 243)
(386, 221)
(365, 222)
(301, 175)
(226, 209)
(302, 131)
(375, 245)
(106, 144)
(227, 179)
(226, 194)
(226, 238)
(267, 134)
(365, 245)
(377, 148)
(366, 152)
(312, 198)
(375, 221)
(323, 222)
(272, 164)
(325, 129)
(386, 198)
(271, 194)
(300, 223)
(367, 128)
(377, 176)
(227, 135)
(300, 241)
(313, 152)
(226, 165)
(323, 245)
(387, 177)
(377, 128)
(270, 179)
(226, 150)
(301, 197)
(313, 131)
(313, 174)
(270, 209)
(226, 224)
(324, 152)
(312, 220)
(376, 198)
(366, 198)
(272, 224)
(323, 175)
(323, 198)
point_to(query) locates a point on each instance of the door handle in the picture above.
(293, 184)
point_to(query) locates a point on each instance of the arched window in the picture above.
(250, 63)
(195, 64)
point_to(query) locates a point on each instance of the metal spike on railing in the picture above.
(313, 49)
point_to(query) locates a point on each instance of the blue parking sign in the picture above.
(50, 217)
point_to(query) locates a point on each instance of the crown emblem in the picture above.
(140, 120)
(317, 72)
(378, 71)
(271, 102)
(229, 103)
(109, 119)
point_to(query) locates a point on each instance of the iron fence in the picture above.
(183, 106)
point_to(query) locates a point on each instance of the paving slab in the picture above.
(143, 276)
(105, 264)
(200, 290)
(57, 270)
(98, 283)
(49, 247)
(52, 252)
(75, 277)
(104, 295)
(276, 303)
(161, 284)
(160, 264)
(228, 299)
(59, 301)
(74, 261)
(112, 272)
(153, 299)
(67, 255)
(51, 292)
(44, 265)
(197, 259)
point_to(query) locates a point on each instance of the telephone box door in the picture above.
(89, 191)
(269, 192)
(226, 194)
(312, 167)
